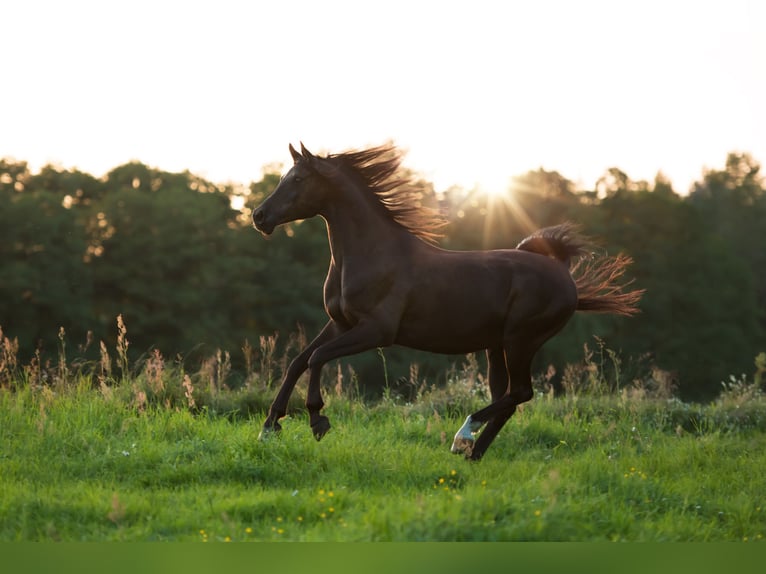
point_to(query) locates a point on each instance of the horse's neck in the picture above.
(361, 229)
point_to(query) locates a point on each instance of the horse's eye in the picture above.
(298, 179)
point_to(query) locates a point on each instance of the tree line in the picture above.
(170, 254)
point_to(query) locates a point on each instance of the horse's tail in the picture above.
(596, 276)
(562, 242)
(598, 287)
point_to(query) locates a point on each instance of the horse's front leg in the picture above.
(361, 337)
(297, 367)
(320, 424)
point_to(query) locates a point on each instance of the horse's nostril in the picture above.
(258, 217)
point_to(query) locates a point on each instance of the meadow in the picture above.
(153, 453)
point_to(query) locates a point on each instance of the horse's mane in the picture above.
(379, 170)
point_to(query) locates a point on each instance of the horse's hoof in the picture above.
(269, 431)
(462, 445)
(464, 440)
(320, 427)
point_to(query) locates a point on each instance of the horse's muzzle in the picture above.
(261, 222)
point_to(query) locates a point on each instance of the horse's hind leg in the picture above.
(518, 363)
(499, 382)
(498, 388)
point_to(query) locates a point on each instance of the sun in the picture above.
(503, 210)
(495, 189)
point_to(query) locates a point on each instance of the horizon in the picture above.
(281, 168)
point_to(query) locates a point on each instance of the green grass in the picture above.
(79, 463)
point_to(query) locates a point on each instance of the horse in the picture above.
(389, 283)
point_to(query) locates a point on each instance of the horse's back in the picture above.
(498, 275)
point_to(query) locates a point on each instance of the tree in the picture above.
(44, 282)
(699, 311)
(732, 203)
(159, 259)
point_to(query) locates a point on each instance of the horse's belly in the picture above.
(451, 331)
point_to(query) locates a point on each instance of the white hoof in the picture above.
(464, 440)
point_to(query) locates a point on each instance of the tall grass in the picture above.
(151, 451)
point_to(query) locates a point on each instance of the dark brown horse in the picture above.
(389, 284)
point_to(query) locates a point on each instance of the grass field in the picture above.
(81, 461)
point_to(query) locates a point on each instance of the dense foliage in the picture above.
(189, 275)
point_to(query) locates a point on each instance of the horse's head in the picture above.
(301, 193)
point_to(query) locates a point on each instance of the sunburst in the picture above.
(498, 206)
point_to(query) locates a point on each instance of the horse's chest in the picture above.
(340, 303)
(332, 299)
(348, 299)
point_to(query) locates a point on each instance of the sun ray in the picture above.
(498, 224)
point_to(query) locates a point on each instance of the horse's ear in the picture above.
(306, 153)
(318, 163)
(296, 156)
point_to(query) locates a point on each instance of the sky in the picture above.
(475, 92)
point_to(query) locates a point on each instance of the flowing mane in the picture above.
(379, 170)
